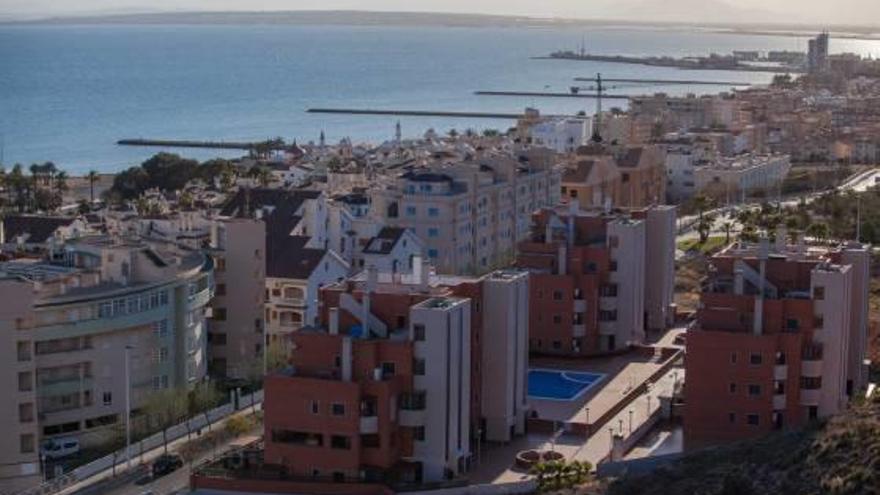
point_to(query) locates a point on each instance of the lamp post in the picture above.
(128, 406)
(649, 404)
(630, 421)
(587, 414)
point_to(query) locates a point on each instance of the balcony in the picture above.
(780, 372)
(811, 368)
(607, 303)
(779, 402)
(580, 306)
(811, 397)
(369, 424)
(411, 417)
(202, 298)
(579, 330)
(100, 325)
(63, 386)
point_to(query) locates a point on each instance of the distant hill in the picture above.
(712, 14)
(841, 457)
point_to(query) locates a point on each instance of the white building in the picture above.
(737, 177)
(562, 135)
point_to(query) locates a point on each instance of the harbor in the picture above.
(416, 113)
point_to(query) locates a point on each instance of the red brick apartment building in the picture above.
(599, 278)
(396, 384)
(779, 339)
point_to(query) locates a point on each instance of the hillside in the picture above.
(841, 457)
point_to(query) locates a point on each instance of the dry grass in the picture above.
(688, 274)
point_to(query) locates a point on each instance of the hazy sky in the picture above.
(815, 11)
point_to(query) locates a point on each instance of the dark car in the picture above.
(166, 464)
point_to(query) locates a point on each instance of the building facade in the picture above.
(779, 340)
(69, 327)
(600, 278)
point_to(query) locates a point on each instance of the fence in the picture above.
(116, 460)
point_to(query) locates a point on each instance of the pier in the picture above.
(667, 81)
(226, 145)
(418, 113)
(542, 94)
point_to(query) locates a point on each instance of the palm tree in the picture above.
(727, 226)
(93, 177)
(819, 231)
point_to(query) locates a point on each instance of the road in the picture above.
(176, 482)
(859, 182)
(168, 484)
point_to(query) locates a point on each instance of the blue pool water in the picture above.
(560, 385)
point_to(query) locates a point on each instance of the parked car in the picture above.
(166, 464)
(57, 448)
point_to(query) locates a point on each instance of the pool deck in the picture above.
(613, 401)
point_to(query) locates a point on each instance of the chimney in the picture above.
(561, 262)
(334, 321)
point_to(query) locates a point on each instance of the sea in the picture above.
(69, 92)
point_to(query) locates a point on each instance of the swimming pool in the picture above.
(559, 384)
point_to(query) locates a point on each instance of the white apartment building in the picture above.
(562, 135)
(736, 177)
(441, 329)
(68, 328)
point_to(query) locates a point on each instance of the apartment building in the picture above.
(741, 176)
(236, 330)
(562, 135)
(470, 214)
(780, 339)
(616, 176)
(395, 384)
(599, 278)
(68, 327)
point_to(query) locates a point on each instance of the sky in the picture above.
(824, 12)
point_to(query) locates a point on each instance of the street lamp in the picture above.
(587, 413)
(128, 406)
(630, 421)
(649, 404)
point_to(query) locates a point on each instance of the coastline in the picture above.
(450, 20)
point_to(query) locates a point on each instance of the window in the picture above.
(731, 388)
(26, 413)
(612, 266)
(811, 382)
(432, 253)
(792, 324)
(387, 369)
(25, 381)
(819, 293)
(433, 212)
(608, 315)
(419, 367)
(731, 417)
(818, 322)
(732, 358)
(24, 351)
(755, 359)
(217, 338)
(340, 442)
(753, 419)
(433, 232)
(370, 441)
(337, 409)
(298, 438)
(108, 398)
(557, 319)
(219, 314)
(410, 211)
(754, 390)
(26, 443)
(419, 433)
(557, 345)
(557, 295)
(314, 407)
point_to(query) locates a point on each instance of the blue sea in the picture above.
(67, 93)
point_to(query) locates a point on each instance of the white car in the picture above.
(59, 447)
